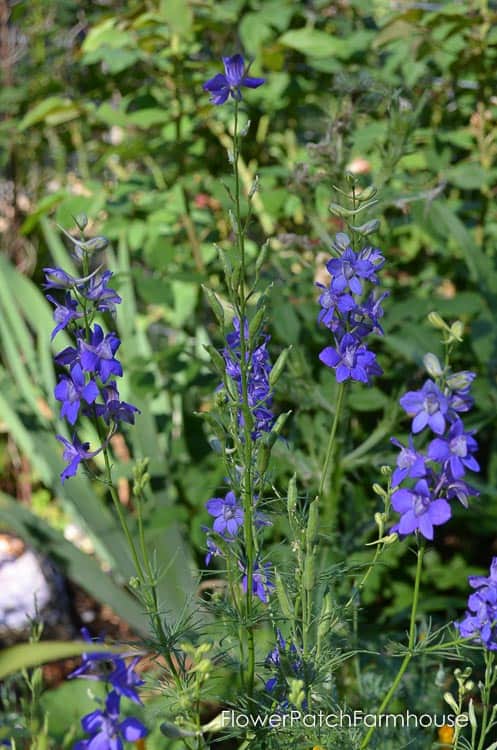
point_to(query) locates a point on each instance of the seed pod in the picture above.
(308, 578)
(279, 366)
(283, 599)
(215, 305)
(261, 258)
(292, 495)
(256, 322)
(216, 359)
(312, 524)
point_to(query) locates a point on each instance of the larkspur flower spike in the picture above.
(91, 362)
(438, 472)
(349, 315)
(481, 616)
(221, 86)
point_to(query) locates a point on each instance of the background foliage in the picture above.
(102, 111)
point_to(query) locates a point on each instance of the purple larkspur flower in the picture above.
(64, 313)
(71, 390)
(352, 360)
(91, 661)
(348, 270)
(419, 511)
(106, 730)
(480, 621)
(261, 585)
(410, 463)
(462, 491)
(332, 302)
(97, 355)
(235, 75)
(75, 452)
(125, 679)
(259, 394)
(213, 549)
(227, 512)
(365, 317)
(429, 407)
(455, 450)
(113, 409)
(104, 297)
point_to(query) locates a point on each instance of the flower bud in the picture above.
(449, 698)
(95, 244)
(457, 330)
(432, 365)
(342, 241)
(437, 321)
(81, 221)
(458, 381)
(368, 228)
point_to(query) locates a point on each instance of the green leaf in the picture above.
(318, 44)
(29, 655)
(55, 107)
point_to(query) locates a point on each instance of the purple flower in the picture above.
(348, 270)
(92, 660)
(429, 407)
(352, 360)
(64, 314)
(74, 453)
(455, 450)
(221, 86)
(100, 293)
(331, 303)
(71, 390)
(419, 511)
(107, 731)
(481, 616)
(227, 512)
(258, 388)
(124, 678)
(261, 585)
(113, 409)
(98, 354)
(213, 550)
(410, 463)
(456, 488)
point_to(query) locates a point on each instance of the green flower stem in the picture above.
(486, 721)
(330, 450)
(247, 482)
(410, 653)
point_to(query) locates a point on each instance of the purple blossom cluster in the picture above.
(222, 86)
(87, 385)
(436, 475)
(286, 663)
(480, 621)
(258, 370)
(229, 517)
(352, 312)
(105, 726)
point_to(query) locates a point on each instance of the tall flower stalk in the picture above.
(246, 385)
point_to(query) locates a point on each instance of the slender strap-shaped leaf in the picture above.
(73, 563)
(29, 655)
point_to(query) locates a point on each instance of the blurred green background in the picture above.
(102, 111)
